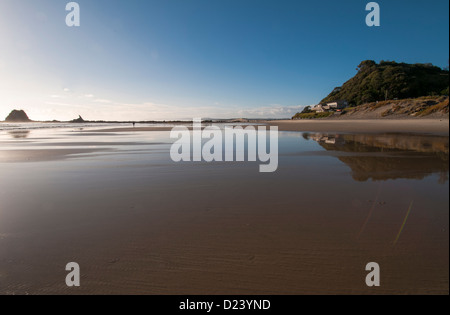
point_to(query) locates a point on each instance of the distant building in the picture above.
(338, 105)
(318, 108)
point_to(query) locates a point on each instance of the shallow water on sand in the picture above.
(136, 222)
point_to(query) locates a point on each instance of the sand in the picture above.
(139, 224)
(423, 126)
(134, 129)
(18, 156)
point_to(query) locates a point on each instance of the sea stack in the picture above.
(78, 120)
(17, 116)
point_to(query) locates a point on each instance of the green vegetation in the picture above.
(391, 80)
(307, 110)
(312, 115)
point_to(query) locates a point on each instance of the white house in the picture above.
(318, 108)
(338, 104)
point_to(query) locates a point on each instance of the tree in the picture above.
(398, 80)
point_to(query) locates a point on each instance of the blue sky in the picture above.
(179, 59)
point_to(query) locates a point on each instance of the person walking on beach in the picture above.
(134, 124)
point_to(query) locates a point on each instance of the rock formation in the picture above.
(17, 116)
(78, 120)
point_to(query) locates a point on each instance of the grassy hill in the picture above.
(391, 80)
(421, 107)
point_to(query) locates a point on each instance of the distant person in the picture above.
(134, 124)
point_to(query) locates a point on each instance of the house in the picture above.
(335, 106)
(338, 105)
(318, 108)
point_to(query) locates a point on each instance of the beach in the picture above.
(411, 125)
(136, 222)
(237, 149)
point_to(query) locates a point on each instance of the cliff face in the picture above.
(17, 116)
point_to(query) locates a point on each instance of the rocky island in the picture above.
(17, 116)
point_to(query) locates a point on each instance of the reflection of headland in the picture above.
(389, 156)
(19, 134)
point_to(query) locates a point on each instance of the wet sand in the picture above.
(423, 126)
(138, 223)
(18, 156)
(135, 129)
(420, 126)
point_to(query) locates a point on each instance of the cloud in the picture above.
(55, 105)
(66, 90)
(99, 100)
(273, 111)
(158, 111)
(92, 108)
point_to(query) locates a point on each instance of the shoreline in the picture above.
(438, 127)
(423, 126)
(430, 126)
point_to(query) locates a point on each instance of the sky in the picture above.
(180, 59)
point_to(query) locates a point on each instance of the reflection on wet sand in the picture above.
(19, 134)
(138, 223)
(389, 156)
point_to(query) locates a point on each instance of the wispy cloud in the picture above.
(99, 100)
(55, 105)
(96, 108)
(273, 111)
(157, 111)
